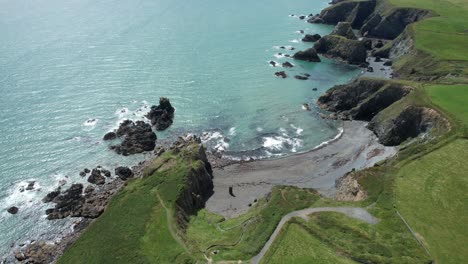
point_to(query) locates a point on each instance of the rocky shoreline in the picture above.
(380, 35)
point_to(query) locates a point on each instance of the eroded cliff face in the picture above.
(390, 24)
(198, 185)
(413, 121)
(378, 101)
(354, 12)
(363, 98)
(348, 50)
(349, 189)
(374, 18)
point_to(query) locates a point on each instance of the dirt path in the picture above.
(169, 221)
(354, 212)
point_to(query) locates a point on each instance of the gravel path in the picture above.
(354, 212)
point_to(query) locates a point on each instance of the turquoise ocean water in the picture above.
(72, 70)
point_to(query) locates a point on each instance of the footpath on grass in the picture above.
(354, 212)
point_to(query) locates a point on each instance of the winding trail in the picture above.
(354, 212)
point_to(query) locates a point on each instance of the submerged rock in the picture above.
(30, 186)
(300, 77)
(281, 74)
(13, 210)
(161, 116)
(307, 55)
(287, 64)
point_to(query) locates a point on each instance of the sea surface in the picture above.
(71, 70)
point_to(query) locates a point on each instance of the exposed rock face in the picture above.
(96, 177)
(389, 26)
(110, 136)
(162, 116)
(67, 203)
(199, 182)
(410, 123)
(138, 137)
(38, 252)
(354, 12)
(72, 202)
(311, 38)
(348, 189)
(344, 29)
(351, 51)
(363, 98)
(51, 196)
(287, 64)
(123, 172)
(307, 55)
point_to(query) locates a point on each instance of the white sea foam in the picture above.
(20, 197)
(122, 112)
(340, 133)
(89, 124)
(232, 131)
(259, 129)
(279, 56)
(216, 140)
(294, 41)
(280, 142)
(298, 130)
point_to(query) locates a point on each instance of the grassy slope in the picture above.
(389, 241)
(431, 191)
(453, 99)
(208, 229)
(444, 37)
(134, 228)
(296, 245)
(431, 195)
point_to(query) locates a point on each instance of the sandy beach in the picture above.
(357, 148)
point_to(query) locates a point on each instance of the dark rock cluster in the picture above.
(307, 55)
(161, 116)
(349, 50)
(137, 138)
(311, 38)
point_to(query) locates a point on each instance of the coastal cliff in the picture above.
(393, 118)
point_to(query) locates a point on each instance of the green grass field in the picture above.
(296, 245)
(431, 193)
(345, 240)
(453, 99)
(444, 38)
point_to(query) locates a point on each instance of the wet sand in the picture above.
(357, 148)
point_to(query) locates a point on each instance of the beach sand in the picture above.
(357, 148)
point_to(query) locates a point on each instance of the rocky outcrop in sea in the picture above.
(162, 115)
